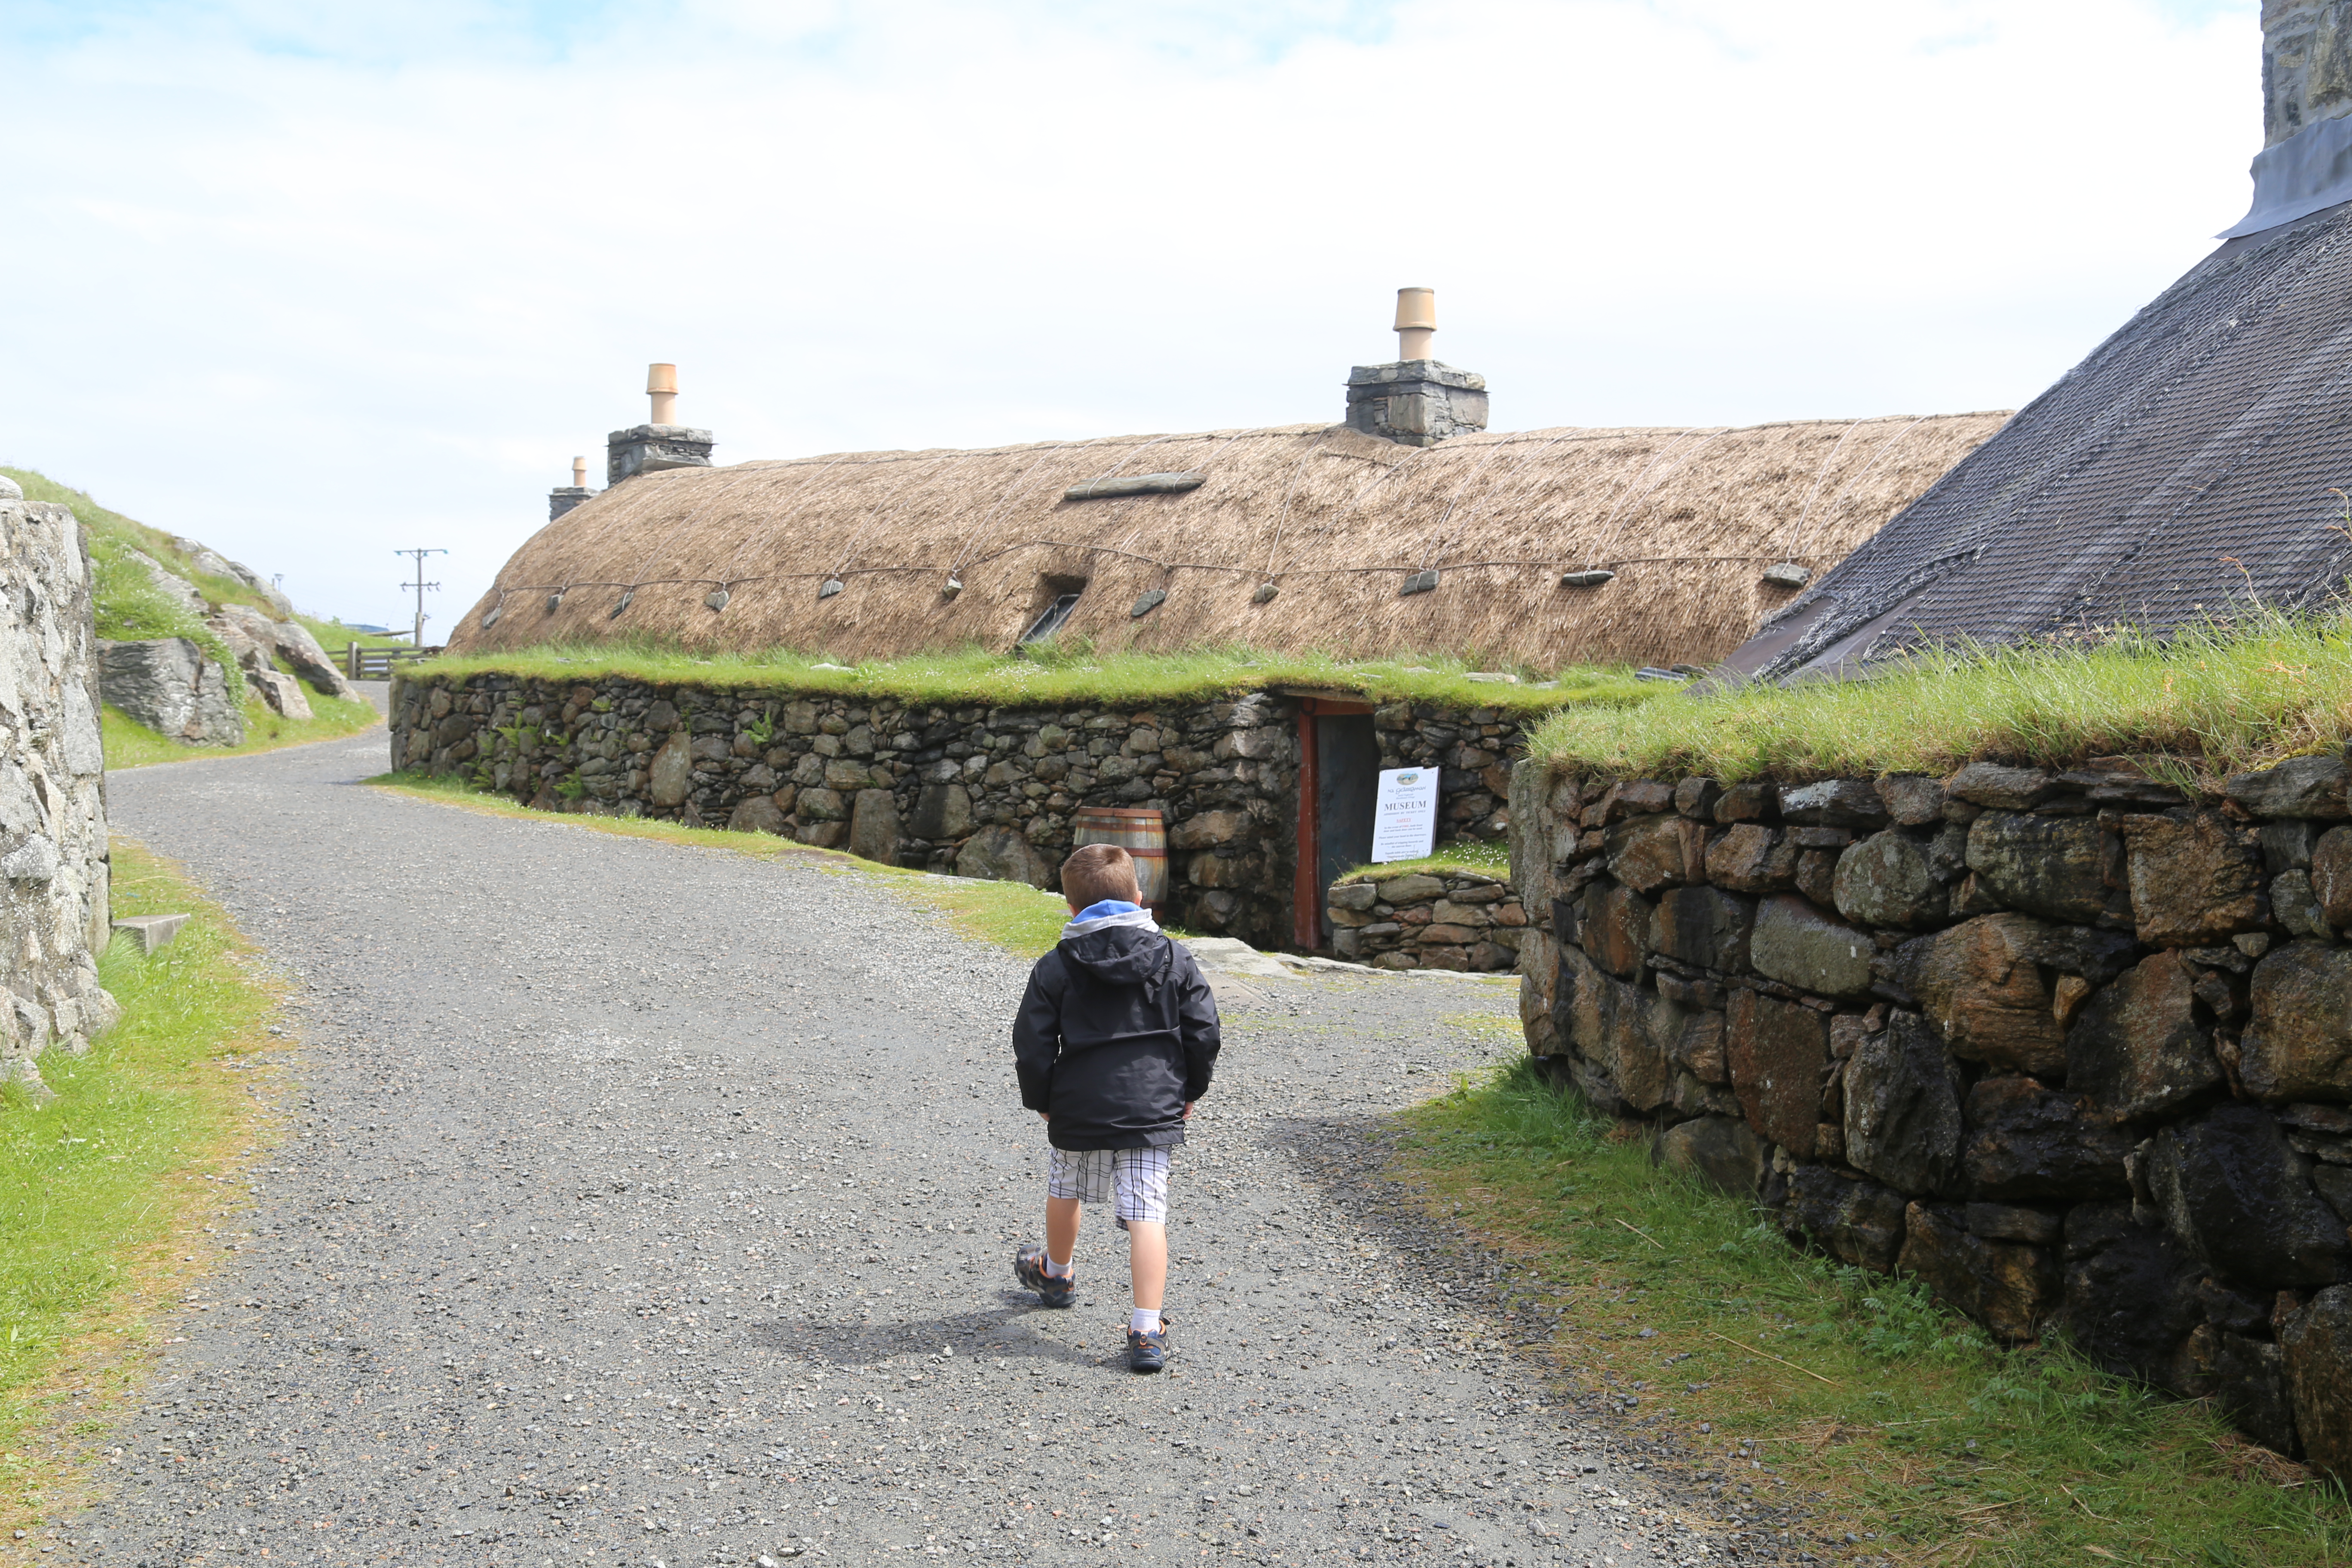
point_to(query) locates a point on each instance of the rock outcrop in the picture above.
(53, 864)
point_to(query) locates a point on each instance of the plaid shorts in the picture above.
(1136, 1178)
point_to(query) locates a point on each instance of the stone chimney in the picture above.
(2305, 162)
(563, 498)
(659, 443)
(1415, 399)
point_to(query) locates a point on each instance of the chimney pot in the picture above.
(661, 385)
(1416, 322)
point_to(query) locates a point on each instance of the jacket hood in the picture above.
(1122, 954)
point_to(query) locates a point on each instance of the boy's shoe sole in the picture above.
(1147, 1352)
(1029, 1270)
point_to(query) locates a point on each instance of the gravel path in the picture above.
(655, 1205)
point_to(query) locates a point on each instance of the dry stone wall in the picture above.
(2070, 1047)
(1446, 918)
(977, 792)
(53, 854)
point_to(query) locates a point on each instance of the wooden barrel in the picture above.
(1142, 834)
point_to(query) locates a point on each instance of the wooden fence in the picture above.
(376, 663)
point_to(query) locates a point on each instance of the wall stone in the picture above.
(1456, 919)
(53, 853)
(2052, 1042)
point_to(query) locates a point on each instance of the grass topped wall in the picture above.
(2208, 703)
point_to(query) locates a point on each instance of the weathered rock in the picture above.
(1696, 798)
(2298, 1041)
(758, 814)
(1622, 1030)
(2307, 786)
(2230, 1187)
(1699, 1047)
(1614, 927)
(2056, 866)
(1913, 800)
(671, 774)
(2137, 1048)
(1720, 1150)
(1358, 897)
(1835, 803)
(2317, 1346)
(2001, 788)
(1858, 1221)
(298, 647)
(2251, 1391)
(2192, 881)
(943, 811)
(2026, 1144)
(2131, 1302)
(2297, 908)
(1747, 857)
(2007, 1288)
(1207, 829)
(281, 692)
(817, 835)
(1903, 1107)
(1001, 855)
(1413, 888)
(173, 586)
(2331, 875)
(1980, 985)
(1647, 853)
(874, 832)
(1797, 944)
(2335, 1186)
(1887, 881)
(1778, 1053)
(823, 806)
(1706, 927)
(1749, 802)
(168, 685)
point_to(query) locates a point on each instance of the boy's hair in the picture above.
(1097, 871)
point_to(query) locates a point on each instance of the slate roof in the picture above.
(2184, 467)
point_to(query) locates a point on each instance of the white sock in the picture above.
(1143, 1320)
(1060, 1271)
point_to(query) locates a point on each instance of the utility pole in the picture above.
(421, 585)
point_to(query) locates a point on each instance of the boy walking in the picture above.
(1116, 1038)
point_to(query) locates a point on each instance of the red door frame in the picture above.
(1306, 895)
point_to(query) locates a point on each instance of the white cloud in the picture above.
(314, 283)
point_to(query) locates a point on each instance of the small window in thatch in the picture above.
(1065, 592)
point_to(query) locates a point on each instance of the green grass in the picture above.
(1053, 676)
(1012, 915)
(130, 744)
(2213, 701)
(108, 1192)
(1488, 857)
(1950, 1449)
(130, 606)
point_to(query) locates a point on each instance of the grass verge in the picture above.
(110, 1194)
(1013, 915)
(1060, 676)
(130, 744)
(1848, 1397)
(1490, 858)
(2213, 702)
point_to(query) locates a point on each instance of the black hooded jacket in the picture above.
(1117, 1033)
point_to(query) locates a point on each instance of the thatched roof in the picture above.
(1335, 519)
(2189, 469)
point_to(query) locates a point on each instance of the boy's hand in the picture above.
(1188, 1112)
(1048, 1116)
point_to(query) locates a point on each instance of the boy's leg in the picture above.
(1147, 1253)
(1061, 1232)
